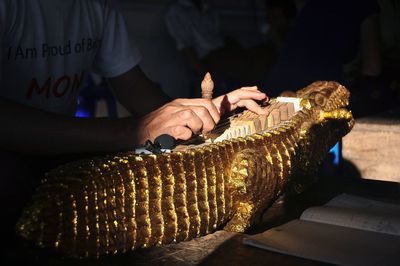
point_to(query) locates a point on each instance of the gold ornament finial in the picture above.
(207, 86)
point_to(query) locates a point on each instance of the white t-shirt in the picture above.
(48, 46)
(191, 27)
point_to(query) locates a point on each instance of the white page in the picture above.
(329, 243)
(355, 218)
(352, 201)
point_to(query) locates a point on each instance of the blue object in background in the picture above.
(82, 110)
(82, 113)
(91, 94)
(336, 152)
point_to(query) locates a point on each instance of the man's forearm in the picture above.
(29, 130)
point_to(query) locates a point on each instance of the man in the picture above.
(46, 51)
(47, 48)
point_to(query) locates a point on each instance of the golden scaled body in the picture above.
(127, 201)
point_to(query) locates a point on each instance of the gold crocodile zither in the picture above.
(127, 201)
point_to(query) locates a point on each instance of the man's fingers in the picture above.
(249, 88)
(208, 104)
(183, 117)
(179, 132)
(253, 106)
(197, 118)
(182, 121)
(205, 116)
(187, 117)
(245, 94)
(245, 97)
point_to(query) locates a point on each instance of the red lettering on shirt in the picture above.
(58, 89)
(77, 81)
(65, 80)
(35, 87)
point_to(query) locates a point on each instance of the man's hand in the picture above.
(180, 119)
(183, 117)
(243, 97)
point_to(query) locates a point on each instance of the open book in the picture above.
(348, 230)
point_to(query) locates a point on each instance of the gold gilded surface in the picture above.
(191, 195)
(126, 201)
